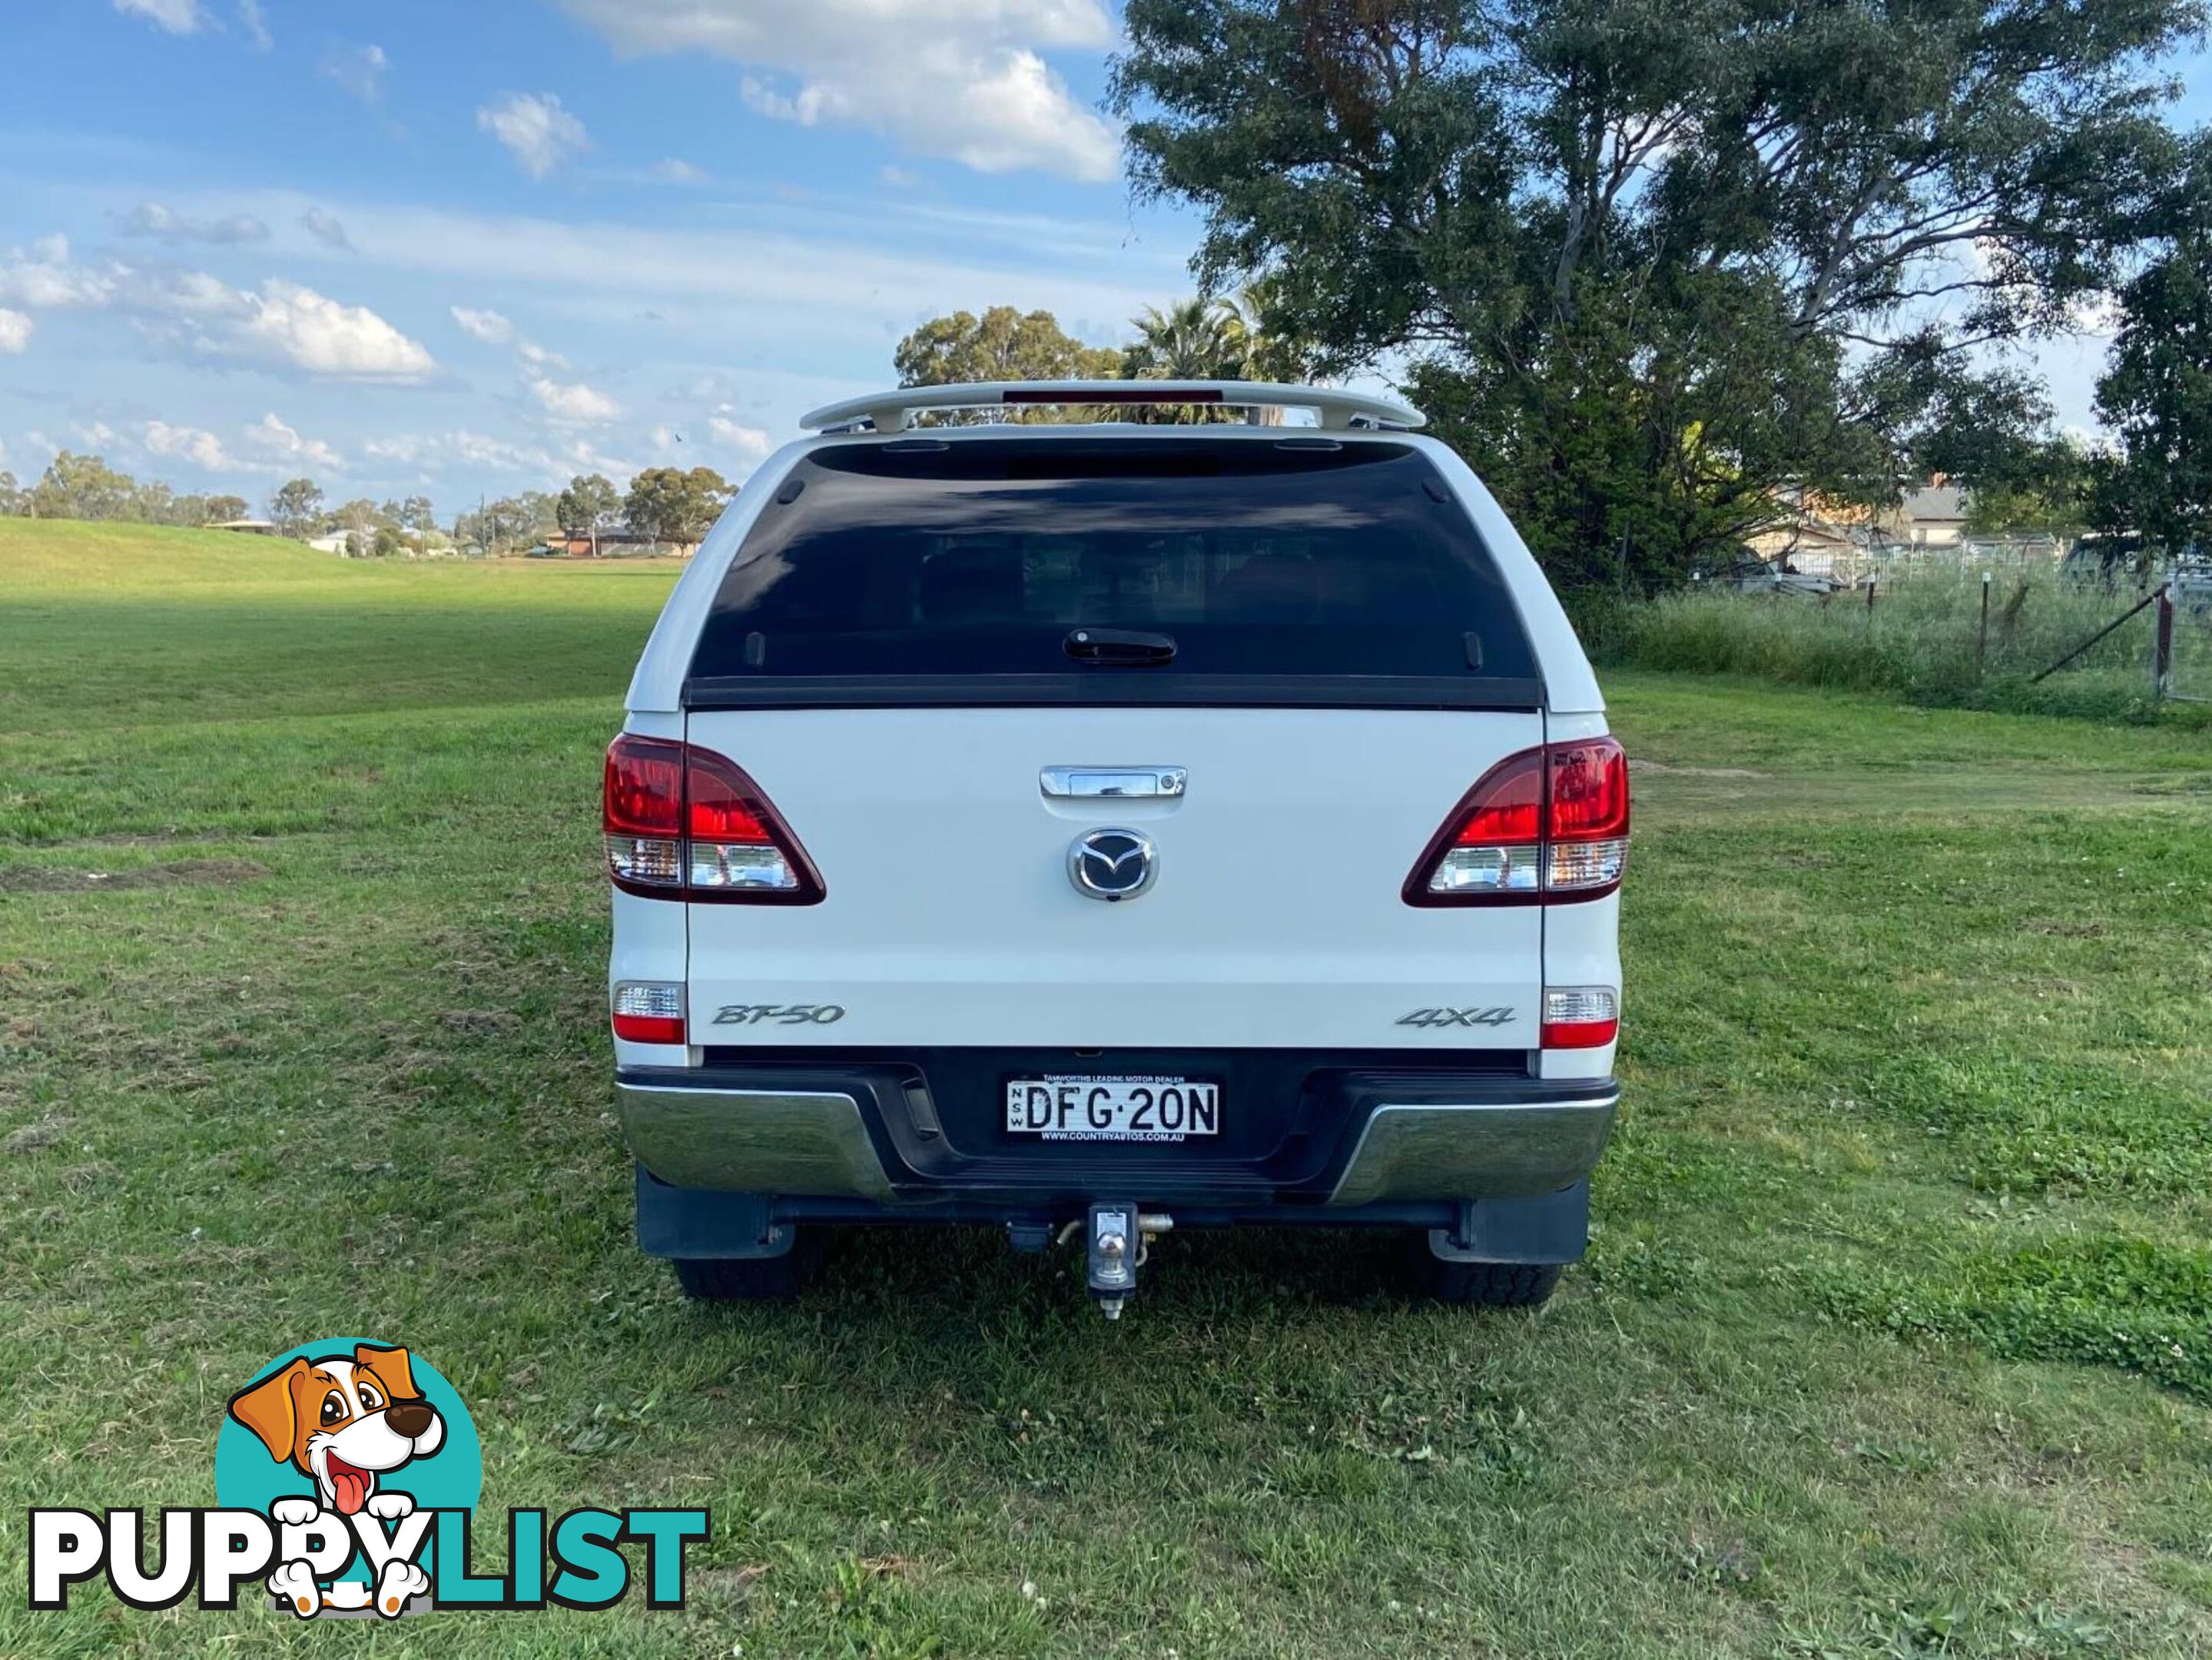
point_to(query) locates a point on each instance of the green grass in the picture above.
(141, 622)
(1893, 1339)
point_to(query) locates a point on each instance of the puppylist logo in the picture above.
(347, 1474)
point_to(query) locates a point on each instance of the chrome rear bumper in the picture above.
(754, 1141)
(817, 1141)
(1502, 1150)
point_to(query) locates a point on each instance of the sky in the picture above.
(452, 249)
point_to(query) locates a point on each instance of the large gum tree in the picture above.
(1648, 262)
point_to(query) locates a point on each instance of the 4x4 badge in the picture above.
(1458, 1017)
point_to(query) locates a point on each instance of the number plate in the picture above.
(1071, 1107)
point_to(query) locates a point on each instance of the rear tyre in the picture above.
(751, 1278)
(1483, 1284)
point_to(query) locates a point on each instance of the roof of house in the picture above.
(1935, 501)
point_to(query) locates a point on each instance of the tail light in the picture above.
(649, 1010)
(684, 823)
(1580, 1017)
(1547, 825)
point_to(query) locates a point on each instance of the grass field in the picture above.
(1895, 1336)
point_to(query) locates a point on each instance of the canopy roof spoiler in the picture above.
(894, 410)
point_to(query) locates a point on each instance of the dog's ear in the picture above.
(390, 1367)
(267, 1409)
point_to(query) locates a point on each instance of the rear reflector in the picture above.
(684, 823)
(1548, 823)
(1580, 1017)
(649, 1010)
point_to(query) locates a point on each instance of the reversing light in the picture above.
(1497, 848)
(734, 852)
(649, 1010)
(1580, 1016)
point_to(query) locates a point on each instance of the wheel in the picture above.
(1482, 1285)
(751, 1278)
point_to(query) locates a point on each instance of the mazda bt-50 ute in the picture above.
(1105, 828)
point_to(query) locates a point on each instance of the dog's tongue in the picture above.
(348, 1484)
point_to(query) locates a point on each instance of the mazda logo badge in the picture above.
(1112, 864)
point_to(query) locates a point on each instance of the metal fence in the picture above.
(1887, 563)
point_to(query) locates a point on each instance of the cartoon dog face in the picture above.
(342, 1420)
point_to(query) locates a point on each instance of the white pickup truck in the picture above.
(1128, 826)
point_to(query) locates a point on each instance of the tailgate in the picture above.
(953, 917)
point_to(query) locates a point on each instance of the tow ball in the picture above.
(1116, 1235)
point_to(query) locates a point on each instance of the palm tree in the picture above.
(1266, 354)
(1195, 339)
(1217, 337)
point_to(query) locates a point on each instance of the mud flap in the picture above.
(693, 1222)
(1553, 1227)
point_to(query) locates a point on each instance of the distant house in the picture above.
(1817, 535)
(1812, 534)
(562, 545)
(339, 541)
(245, 526)
(1934, 516)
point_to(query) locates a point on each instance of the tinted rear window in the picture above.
(1294, 558)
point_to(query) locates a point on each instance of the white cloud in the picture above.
(291, 323)
(282, 325)
(270, 437)
(495, 330)
(255, 22)
(402, 448)
(572, 402)
(488, 326)
(843, 281)
(750, 443)
(899, 177)
(15, 330)
(201, 448)
(480, 450)
(359, 70)
(44, 279)
(166, 225)
(537, 357)
(959, 78)
(272, 447)
(177, 16)
(326, 228)
(732, 447)
(474, 455)
(537, 132)
(673, 170)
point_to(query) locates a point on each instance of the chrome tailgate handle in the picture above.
(1118, 783)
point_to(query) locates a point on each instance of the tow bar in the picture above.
(1116, 1237)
